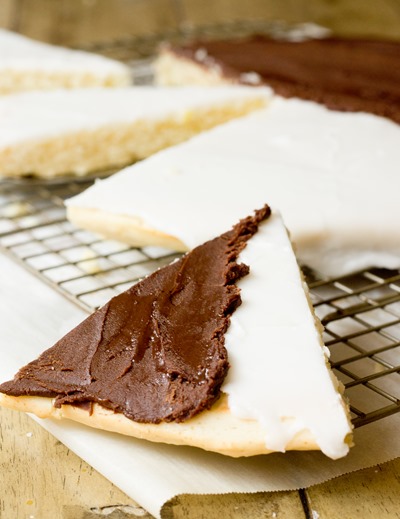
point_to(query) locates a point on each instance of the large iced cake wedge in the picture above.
(77, 131)
(27, 64)
(333, 175)
(218, 350)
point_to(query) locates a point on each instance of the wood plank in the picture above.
(40, 477)
(225, 11)
(282, 505)
(374, 18)
(74, 22)
(368, 494)
(7, 13)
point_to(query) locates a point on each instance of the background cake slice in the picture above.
(343, 74)
(328, 173)
(77, 131)
(151, 362)
(27, 64)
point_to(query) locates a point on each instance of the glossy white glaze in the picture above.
(334, 176)
(278, 373)
(33, 116)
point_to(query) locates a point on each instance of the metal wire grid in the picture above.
(361, 312)
(85, 268)
(361, 315)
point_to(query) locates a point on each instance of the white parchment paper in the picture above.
(33, 317)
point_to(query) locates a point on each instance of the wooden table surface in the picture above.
(39, 477)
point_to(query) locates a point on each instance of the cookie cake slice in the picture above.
(219, 350)
(48, 134)
(328, 172)
(27, 64)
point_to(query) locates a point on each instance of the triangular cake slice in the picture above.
(158, 363)
(320, 167)
(78, 131)
(27, 64)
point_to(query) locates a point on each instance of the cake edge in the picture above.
(230, 435)
(117, 144)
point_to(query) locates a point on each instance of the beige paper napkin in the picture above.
(153, 473)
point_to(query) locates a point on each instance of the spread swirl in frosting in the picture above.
(155, 352)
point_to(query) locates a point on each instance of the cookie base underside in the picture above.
(214, 430)
(126, 229)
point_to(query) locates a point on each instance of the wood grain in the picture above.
(40, 477)
(282, 505)
(371, 493)
(222, 11)
(375, 18)
(75, 22)
(7, 13)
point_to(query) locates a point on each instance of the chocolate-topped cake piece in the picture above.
(155, 352)
(343, 74)
(152, 362)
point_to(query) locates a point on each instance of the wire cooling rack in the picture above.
(361, 312)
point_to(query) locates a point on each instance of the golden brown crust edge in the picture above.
(12, 81)
(126, 229)
(215, 430)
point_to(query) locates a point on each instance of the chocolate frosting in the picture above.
(343, 74)
(155, 352)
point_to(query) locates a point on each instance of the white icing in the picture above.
(334, 176)
(37, 115)
(278, 372)
(20, 53)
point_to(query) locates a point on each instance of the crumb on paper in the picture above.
(136, 511)
(29, 434)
